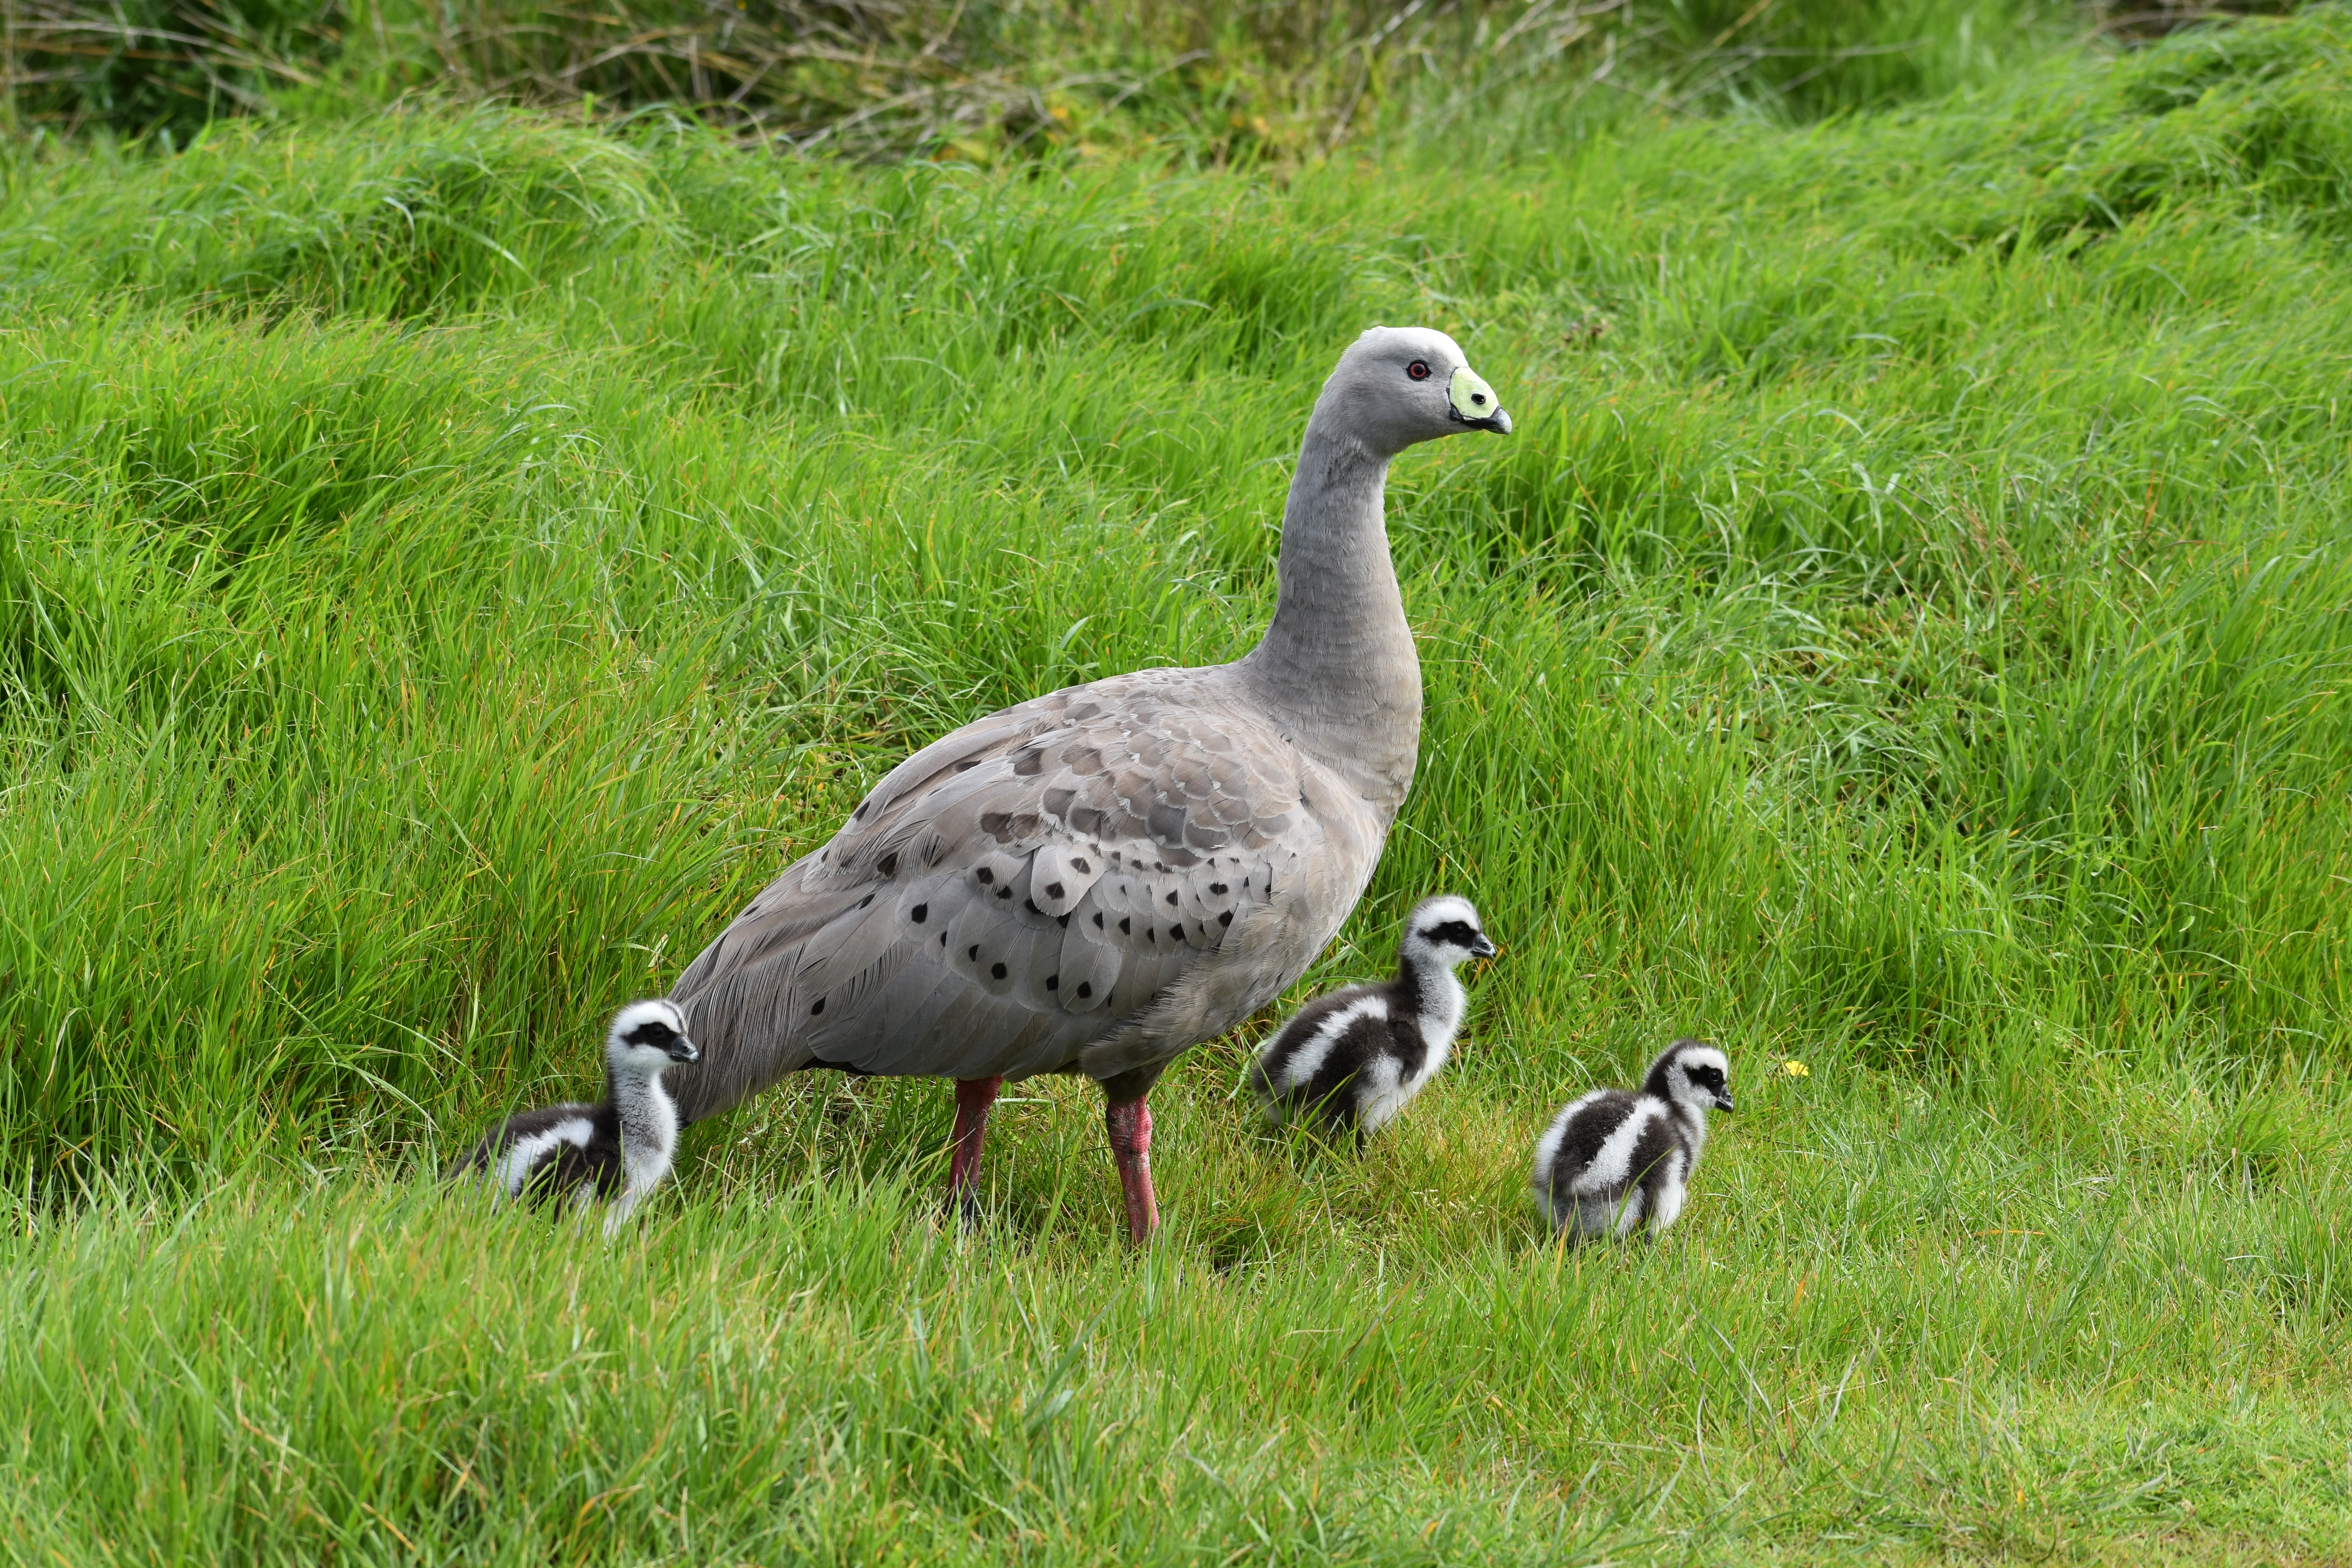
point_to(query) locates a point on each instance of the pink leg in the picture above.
(1130, 1149)
(973, 1097)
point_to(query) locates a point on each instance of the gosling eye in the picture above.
(1418, 370)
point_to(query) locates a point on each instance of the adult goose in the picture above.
(1098, 880)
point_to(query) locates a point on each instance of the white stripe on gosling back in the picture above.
(1612, 1160)
(619, 1149)
(1356, 1057)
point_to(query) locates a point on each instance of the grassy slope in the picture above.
(452, 562)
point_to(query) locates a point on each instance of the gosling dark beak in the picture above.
(682, 1049)
(1724, 1099)
(1482, 948)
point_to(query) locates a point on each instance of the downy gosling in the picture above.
(1353, 1058)
(617, 1149)
(1613, 1162)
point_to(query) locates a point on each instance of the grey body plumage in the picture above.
(1614, 1160)
(1352, 1058)
(617, 1149)
(1097, 880)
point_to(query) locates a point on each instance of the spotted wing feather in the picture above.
(1060, 885)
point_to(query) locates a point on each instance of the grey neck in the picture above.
(1442, 996)
(1337, 664)
(1694, 1118)
(649, 1117)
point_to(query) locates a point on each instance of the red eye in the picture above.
(1418, 370)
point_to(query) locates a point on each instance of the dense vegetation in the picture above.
(454, 555)
(1217, 80)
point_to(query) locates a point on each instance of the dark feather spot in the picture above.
(1057, 802)
(1171, 900)
(1031, 905)
(859, 815)
(1029, 762)
(818, 1008)
(993, 822)
(1062, 920)
(966, 765)
(943, 939)
(972, 952)
(888, 864)
(1220, 888)
(1053, 890)
(1125, 924)
(1122, 925)
(1052, 983)
(1226, 919)
(1079, 862)
(1005, 893)
(1150, 934)
(1085, 988)
(920, 913)
(996, 971)
(866, 900)
(984, 876)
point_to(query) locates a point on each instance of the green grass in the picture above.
(452, 558)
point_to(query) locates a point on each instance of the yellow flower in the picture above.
(1795, 1069)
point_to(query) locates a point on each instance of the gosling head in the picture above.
(648, 1037)
(1444, 930)
(1396, 386)
(1694, 1073)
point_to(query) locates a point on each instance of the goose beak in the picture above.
(1470, 401)
(682, 1049)
(1724, 1099)
(1482, 948)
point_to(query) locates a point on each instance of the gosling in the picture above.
(619, 1149)
(1352, 1058)
(1613, 1161)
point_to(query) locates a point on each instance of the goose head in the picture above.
(1445, 931)
(1694, 1073)
(648, 1037)
(1397, 386)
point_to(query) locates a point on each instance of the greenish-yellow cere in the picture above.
(1471, 396)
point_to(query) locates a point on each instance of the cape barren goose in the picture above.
(1613, 1161)
(1354, 1056)
(619, 1149)
(1098, 880)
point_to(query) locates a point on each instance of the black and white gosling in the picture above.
(1353, 1058)
(618, 1149)
(1613, 1161)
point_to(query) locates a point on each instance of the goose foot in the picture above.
(973, 1097)
(1129, 1123)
